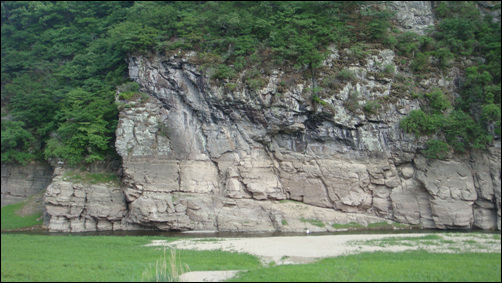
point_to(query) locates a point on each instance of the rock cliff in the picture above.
(201, 154)
(20, 182)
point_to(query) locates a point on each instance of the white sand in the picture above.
(304, 249)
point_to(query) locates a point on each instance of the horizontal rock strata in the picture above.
(201, 154)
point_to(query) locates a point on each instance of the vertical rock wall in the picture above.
(203, 157)
(20, 182)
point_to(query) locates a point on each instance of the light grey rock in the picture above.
(74, 207)
(231, 153)
(20, 182)
(415, 16)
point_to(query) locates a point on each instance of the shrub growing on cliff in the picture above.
(437, 101)
(460, 130)
(223, 72)
(436, 149)
(420, 123)
(419, 64)
(372, 106)
(346, 75)
(463, 133)
(444, 57)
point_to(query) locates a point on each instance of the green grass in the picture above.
(314, 222)
(351, 225)
(385, 225)
(402, 241)
(414, 266)
(11, 220)
(99, 258)
(91, 178)
(111, 258)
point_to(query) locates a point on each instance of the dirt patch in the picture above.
(208, 276)
(33, 205)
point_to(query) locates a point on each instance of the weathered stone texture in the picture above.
(72, 207)
(234, 154)
(200, 154)
(20, 182)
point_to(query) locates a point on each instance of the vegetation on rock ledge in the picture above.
(63, 61)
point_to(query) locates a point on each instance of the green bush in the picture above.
(346, 75)
(463, 133)
(86, 128)
(444, 57)
(15, 142)
(127, 95)
(437, 101)
(426, 43)
(436, 149)
(407, 43)
(419, 122)
(130, 36)
(491, 114)
(352, 102)
(389, 69)
(223, 72)
(256, 84)
(390, 42)
(372, 106)
(317, 99)
(129, 86)
(330, 81)
(357, 51)
(419, 64)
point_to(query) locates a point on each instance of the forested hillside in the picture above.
(62, 63)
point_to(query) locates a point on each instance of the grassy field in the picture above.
(99, 258)
(412, 266)
(12, 220)
(111, 258)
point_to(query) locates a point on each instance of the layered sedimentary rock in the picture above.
(77, 207)
(202, 154)
(20, 182)
(199, 156)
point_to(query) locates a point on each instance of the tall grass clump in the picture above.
(166, 270)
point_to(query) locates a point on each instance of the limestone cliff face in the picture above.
(20, 182)
(204, 155)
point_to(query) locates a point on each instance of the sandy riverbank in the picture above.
(309, 248)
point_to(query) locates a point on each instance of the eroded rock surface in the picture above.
(20, 182)
(201, 154)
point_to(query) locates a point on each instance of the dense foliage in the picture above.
(62, 61)
(59, 71)
(474, 119)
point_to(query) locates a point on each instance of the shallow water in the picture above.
(191, 234)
